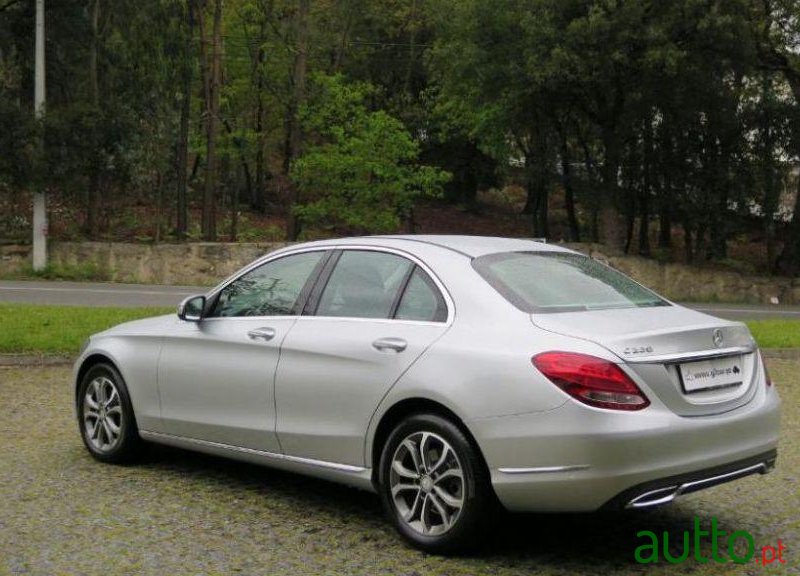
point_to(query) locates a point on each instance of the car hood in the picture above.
(636, 334)
(155, 326)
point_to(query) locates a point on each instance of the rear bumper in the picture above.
(665, 490)
(578, 459)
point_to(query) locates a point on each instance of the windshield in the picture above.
(561, 282)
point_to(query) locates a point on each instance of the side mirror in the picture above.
(191, 309)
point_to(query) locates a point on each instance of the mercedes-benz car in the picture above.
(448, 374)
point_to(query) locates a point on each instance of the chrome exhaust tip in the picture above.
(660, 496)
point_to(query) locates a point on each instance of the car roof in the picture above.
(470, 246)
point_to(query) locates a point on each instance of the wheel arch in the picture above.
(88, 363)
(404, 408)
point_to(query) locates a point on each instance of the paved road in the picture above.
(92, 294)
(748, 311)
(135, 295)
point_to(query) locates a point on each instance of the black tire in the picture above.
(475, 491)
(127, 444)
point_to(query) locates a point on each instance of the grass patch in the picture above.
(32, 328)
(28, 328)
(776, 333)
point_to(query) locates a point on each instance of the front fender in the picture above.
(136, 359)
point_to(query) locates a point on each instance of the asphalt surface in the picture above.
(138, 295)
(94, 294)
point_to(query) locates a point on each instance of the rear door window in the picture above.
(364, 284)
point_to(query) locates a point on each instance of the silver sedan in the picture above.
(445, 373)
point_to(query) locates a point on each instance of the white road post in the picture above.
(39, 200)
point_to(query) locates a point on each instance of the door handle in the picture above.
(384, 344)
(265, 334)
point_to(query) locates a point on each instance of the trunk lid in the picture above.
(664, 345)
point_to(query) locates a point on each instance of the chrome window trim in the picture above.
(448, 300)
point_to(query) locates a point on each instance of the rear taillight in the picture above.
(591, 380)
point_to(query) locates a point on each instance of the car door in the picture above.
(371, 314)
(216, 376)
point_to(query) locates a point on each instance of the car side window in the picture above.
(364, 284)
(421, 300)
(272, 289)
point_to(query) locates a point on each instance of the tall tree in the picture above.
(294, 133)
(93, 206)
(182, 149)
(212, 65)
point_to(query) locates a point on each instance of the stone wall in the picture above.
(191, 264)
(682, 282)
(205, 264)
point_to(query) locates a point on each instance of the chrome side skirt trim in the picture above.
(171, 439)
(691, 356)
(543, 469)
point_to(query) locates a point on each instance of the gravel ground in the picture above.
(181, 513)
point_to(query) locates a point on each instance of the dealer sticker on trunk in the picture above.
(711, 374)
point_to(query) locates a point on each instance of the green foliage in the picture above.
(678, 111)
(18, 145)
(86, 272)
(361, 173)
(26, 328)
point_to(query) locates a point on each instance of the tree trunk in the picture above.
(159, 207)
(294, 132)
(647, 186)
(665, 213)
(594, 201)
(769, 201)
(644, 223)
(533, 202)
(718, 230)
(537, 173)
(774, 59)
(214, 81)
(687, 241)
(544, 210)
(341, 50)
(569, 193)
(412, 48)
(182, 217)
(612, 228)
(630, 221)
(700, 242)
(257, 197)
(234, 232)
(544, 166)
(245, 166)
(93, 208)
(789, 260)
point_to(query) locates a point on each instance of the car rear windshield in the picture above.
(561, 282)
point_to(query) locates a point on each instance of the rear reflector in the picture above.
(591, 380)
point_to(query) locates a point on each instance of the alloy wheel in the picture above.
(102, 414)
(426, 481)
